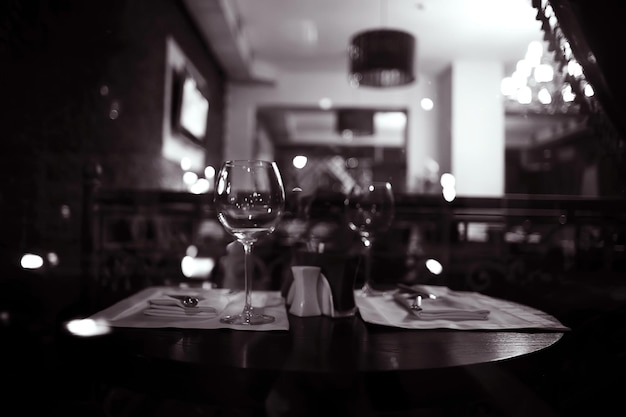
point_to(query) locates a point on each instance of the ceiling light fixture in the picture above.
(541, 85)
(382, 58)
(355, 122)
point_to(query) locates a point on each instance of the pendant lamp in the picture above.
(382, 58)
(355, 122)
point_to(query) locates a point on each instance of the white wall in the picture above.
(478, 133)
(444, 139)
(264, 145)
(305, 90)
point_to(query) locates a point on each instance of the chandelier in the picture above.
(539, 85)
(551, 82)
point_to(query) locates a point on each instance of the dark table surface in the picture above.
(325, 345)
(317, 362)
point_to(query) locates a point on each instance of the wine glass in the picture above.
(370, 211)
(250, 200)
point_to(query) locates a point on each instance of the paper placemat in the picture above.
(129, 312)
(503, 314)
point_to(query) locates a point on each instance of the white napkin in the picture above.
(443, 307)
(503, 314)
(171, 306)
(130, 312)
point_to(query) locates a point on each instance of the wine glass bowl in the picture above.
(248, 220)
(370, 209)
(370, 212)
(250, 200)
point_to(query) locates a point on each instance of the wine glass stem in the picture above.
(247, 247)
(367, 255)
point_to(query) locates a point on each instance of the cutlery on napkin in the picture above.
(444, 308)
(173, 306)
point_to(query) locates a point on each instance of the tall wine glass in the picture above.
(370, 211)
(250, 200)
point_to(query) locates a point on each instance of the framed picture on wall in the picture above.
(190, 106)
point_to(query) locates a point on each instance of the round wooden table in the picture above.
(318, 361)
(325, 345)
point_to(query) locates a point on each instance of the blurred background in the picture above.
(499, 124)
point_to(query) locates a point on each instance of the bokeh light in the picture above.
(427, 104)
(31, 261)
(88, 327)
(299, 161)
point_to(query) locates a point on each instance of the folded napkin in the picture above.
(172, 306)
(161, 307)
(434, 308)
(438, 305)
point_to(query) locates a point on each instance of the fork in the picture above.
(403, 300)
(414, 291)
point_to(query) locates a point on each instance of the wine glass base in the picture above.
(248, 319)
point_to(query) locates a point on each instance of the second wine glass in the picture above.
(250, 200)
(370, 211)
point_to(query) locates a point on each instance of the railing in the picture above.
(521, 239)
(139, 238)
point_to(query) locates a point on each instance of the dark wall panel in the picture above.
(82, 83)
